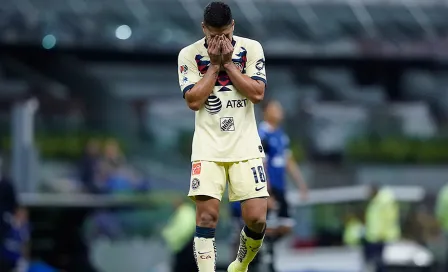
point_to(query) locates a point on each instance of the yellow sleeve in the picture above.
(187, 70)
(255, 67)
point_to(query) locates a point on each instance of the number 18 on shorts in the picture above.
(246, 179)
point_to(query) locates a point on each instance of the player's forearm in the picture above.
(295, 173)
(250, 88)
(197, 96)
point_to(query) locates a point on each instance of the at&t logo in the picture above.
(213, 104)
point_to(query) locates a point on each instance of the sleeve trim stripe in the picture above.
(186, 89)
(259, 78)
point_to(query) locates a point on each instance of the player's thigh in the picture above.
(247, 180)
(207, 179)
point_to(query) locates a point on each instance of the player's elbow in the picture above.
(194, 106)
(257, 98)
(192, 103)
(257, 93)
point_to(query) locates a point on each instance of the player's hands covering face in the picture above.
(214, 50)
(226, 50)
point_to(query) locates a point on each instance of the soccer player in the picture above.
(279, 162)
(222, 76)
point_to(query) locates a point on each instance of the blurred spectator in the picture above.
(442, 218)
(117, 177)
(382, 225)
(353, 231)
(113, 157)
(8, 205)
(179, 233)
(15, 246)
(89, 166)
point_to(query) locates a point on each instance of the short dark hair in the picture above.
(217, 14)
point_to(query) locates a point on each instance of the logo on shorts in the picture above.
(195, 184)
(196, 169)
(227, 124)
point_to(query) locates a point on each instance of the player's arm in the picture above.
(196, 90)
(199, 93)
(252, 84)
(294, 172)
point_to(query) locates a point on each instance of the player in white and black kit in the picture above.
(222, 76)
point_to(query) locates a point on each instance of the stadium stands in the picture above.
(167, 25)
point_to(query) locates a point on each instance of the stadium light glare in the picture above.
(123, 32)
(49, 41)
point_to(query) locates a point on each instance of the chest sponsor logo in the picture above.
(237, 103)
(227, 124)
(213, 104)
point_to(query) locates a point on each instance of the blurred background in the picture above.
(95, 137)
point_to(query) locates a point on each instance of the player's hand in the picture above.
(214, 50)
(226, 50)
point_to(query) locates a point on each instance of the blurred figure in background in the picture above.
(15, 247)
(382, 225)
(117, 175)
(442, 218)
(279, 162)
(89, 166)
(8, 206)
(353, 230)
(179, 235)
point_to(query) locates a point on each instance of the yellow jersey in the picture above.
(225, 126)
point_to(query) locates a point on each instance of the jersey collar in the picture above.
(206, 45)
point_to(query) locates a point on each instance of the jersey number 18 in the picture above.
(259, 175)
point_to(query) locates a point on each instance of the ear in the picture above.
(233, 25)
(203, 28)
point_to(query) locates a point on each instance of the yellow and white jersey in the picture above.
(225, 126)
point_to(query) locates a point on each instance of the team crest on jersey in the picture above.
(183, 69)
(195, 183)
(240, 66)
